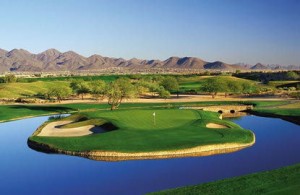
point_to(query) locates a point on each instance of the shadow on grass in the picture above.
(50, 109)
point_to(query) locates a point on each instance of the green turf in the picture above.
(173, 129)
(106, 78)
(280, 112)
(277, 108)
(281, 181)
(31, 87)
(11, 112)
(283, 83)
(16, 90)
(271, 104)
(194, 83)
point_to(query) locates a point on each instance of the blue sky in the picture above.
(250, 31)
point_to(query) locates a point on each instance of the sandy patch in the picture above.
(216, 126)
(53, 130)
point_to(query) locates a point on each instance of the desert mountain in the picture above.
(54, 60)
(259, 66)
(218, 65)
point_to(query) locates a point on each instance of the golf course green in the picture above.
(146, 134)
(285, 180)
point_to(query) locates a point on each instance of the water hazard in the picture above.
(24, 170)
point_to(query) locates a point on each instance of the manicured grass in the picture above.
(194, 83)
(106, 78)
(279, 108)
(280, 112)
(174, 129)
(16, 90)
(263, 104)
(281, 181)
(10, 112)
(283, 83)
(29, 87)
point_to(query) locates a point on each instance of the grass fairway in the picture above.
(286, 110)
(16, 90)
(106, 78)
(33, 86)
(281, 181)
(11, 112)
(194, 83)
(173, 129)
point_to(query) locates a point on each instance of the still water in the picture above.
(24, 171)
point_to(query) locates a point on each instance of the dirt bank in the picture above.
(206, 150)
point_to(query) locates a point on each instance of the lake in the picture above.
(25, 171)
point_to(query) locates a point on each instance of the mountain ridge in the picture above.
(54, 60)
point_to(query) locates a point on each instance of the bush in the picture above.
(295, 95)
(10, 78)
(164, 93)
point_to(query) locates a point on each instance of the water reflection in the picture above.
(26, 171)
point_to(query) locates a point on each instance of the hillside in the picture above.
(54, 60)
(259, 66)
(51, 60)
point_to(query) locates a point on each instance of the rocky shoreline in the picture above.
(206, 150)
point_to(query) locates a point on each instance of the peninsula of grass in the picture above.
(137, 132)
(285, 110)
(280, 181)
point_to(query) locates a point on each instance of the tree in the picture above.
(119, 90)
(295, 95)
(248, 87)
(141, 89)
(213, 86)
(237, 71)
(298, 86)
(10, 78)
(163, 93)
(80, 87)
(147, 84)
(291, 75)
(59, 92)
(97, 89)
(233, 87)
(170, 84)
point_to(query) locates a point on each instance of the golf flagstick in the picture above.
(154, 122)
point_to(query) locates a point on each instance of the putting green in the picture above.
(173, 129)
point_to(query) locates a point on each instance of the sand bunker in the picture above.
(53, 130)
(216, 126)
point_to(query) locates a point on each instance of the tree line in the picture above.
(130, 87)
(125, 87)
(116, 91)
(216, 85)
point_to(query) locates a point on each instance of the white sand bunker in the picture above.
(53, 130)
(216, 126)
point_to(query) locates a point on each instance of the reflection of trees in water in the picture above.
(57, 117)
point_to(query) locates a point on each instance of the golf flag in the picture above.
(153, 113)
